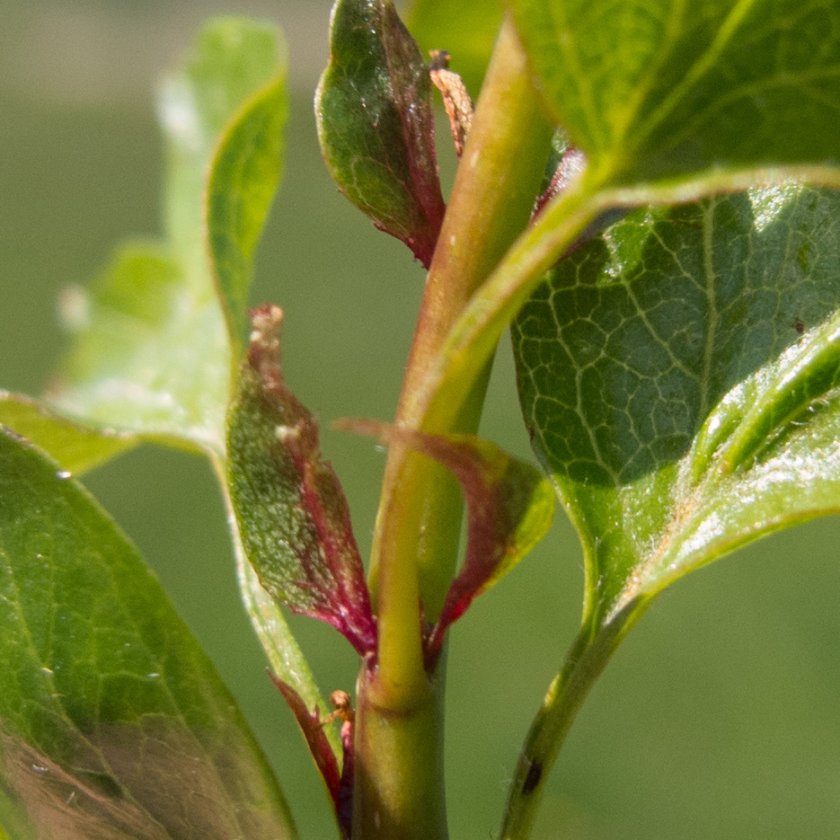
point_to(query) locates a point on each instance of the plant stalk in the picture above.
(585, 661)
(399, 781)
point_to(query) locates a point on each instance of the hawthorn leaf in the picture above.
(680, 380)
(376, 124)
(657, 90)
(113, 721)
(151, 354)
(290, 509)
(466, 30)
(510, 506)
(76, 447)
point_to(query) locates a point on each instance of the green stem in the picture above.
(399, 724)
(585, 660)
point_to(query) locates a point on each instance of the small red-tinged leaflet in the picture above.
(339, 784)
(376, 124)
(510, 506)
(288, 502)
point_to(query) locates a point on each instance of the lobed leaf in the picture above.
(76, 447)
(679, 377)
(376, 125)
(655, 90)
(291, 511)
(113, 722)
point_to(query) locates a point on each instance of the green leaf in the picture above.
(113, 722)
(289, 506)
(659, 90)
(467, 30)
(233, 61)
(148, 358)
(77, 448)
(244, 176)
(151, 353)
(679, 378)
(376, 125)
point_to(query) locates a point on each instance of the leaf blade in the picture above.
(375, 123)
(677, 333)
(660, 90)
(77, 448)
(106, 694)
(151, 354)
(289, 506)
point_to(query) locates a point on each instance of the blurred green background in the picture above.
(718, 719)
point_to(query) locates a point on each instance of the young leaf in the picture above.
(659, 90)
(77, 448)
(510, 506)
(290, 508)
(151, 355)
(679, 377)
(376, 125)
(113, 722)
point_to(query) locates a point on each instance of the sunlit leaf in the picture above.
(151, 353)
(292, 514)
(376, 125)
(113, 722)
(77, 448)
(244, 175)
(656, 90)
(679, 378)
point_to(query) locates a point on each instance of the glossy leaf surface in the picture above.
(76, 447)
(655, 90)
(679, 378)
(292, 514)
(376, 125)
(113, 722)
(151, 353)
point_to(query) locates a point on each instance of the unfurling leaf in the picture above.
(680, 377)
(376, 123)
(291, 511)
(510, 505)
(106, 700)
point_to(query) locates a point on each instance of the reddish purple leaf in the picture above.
(510, 505)
(376, 123)
(288, 502)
